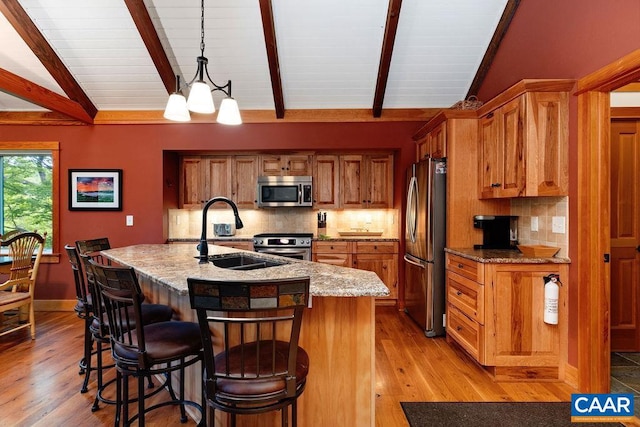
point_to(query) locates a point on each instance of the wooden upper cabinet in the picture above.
(289, 164)
(217, 178)
(438, 142)
(502, 151)
(366, 181)
(523, 142)
(433, 144)
(190, 186)
(204, 177)
(326, 178)
(245, 178)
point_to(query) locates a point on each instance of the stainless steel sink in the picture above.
(241, 261)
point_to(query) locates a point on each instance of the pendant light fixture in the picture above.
(200, 99)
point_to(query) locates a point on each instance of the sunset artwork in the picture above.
(95, 189)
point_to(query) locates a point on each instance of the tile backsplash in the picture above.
(184, 224)
(545, 209)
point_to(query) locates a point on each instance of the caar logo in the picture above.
(601, 407)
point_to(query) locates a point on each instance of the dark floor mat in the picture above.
(495, 414)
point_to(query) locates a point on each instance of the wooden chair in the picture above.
(157, 348)
(99, 325)
(84, 311)
(25, 250)
(255, 364)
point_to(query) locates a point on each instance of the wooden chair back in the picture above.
(25, 250)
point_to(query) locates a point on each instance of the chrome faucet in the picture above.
(202, 247)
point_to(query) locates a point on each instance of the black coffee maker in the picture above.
(498, 231)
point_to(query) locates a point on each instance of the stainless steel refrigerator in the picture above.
(425, 238)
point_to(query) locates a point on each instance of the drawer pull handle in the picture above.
(458, 293)
(460, 266)
(458, 328)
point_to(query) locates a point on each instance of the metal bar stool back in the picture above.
(253, 363)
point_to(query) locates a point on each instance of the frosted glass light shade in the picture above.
(176, 109)
(200, 99)
(229, 113)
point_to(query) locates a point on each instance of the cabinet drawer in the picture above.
(465, 267)
(376, 247)
(466, 332)
(466, 295)
(339, 259)
(331, 247)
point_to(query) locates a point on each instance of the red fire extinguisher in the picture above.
(551, 293)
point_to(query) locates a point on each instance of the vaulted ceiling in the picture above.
(75, 60)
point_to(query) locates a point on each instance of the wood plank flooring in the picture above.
(39, 381)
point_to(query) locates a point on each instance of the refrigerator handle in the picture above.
(412, 216)
(430, 201)
(409, 259)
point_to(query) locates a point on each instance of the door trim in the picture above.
(593, 222)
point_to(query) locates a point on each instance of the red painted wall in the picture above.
(564, 39)
(147, 155)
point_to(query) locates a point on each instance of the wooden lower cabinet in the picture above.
(379, 257)
(495, 312)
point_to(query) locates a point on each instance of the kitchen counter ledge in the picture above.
(171, 265)
(503, 256)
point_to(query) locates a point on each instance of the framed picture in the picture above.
(95, 189)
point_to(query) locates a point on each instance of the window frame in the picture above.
(54, 148)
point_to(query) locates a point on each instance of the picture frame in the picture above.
(95, 189)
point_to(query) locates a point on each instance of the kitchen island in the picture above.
(338, 331)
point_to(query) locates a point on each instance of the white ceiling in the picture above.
(328, 50)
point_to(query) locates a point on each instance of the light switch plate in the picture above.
(557, 224)
(129, 220)
(534, 223)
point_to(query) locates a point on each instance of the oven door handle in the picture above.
(283, 252)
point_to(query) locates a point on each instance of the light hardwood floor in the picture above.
(39, 383)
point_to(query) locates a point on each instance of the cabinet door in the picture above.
(277, 165)
(298, 165)
(511, 137)
(352, 183)
(422, 148)
(190, 183)
(384, 265)
(547, 144)
(245, 175)
(217, 178)
(438, 141)
(490, 156)
(380, 177)
(502, 166)
(326, 176)
(516, 334)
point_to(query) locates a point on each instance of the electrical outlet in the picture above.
(557, 224)
(129, 221)
(534, 223)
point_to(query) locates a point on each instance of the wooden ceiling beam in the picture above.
(144, 24)
(22, 88)
(494, 44)
(391, 27)
(268, 26)
(32, 36)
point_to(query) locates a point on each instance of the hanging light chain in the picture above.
(202, 28)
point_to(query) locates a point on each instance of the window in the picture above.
(29, 189)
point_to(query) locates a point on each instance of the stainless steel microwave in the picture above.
(285, 191)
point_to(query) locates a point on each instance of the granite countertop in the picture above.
(503, 256)
(171, 265)
(315, 238)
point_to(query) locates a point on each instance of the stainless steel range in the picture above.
(291, 245)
